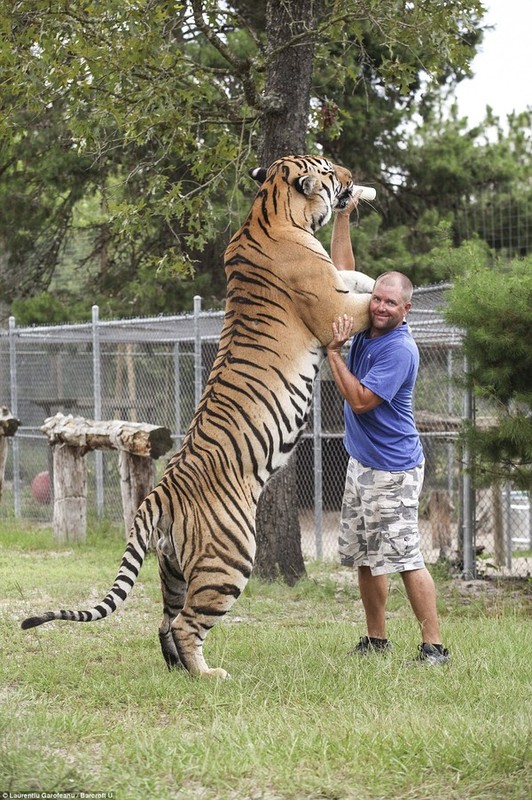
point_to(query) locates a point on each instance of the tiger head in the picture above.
(307, 189)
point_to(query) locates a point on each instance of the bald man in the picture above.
(379, 520)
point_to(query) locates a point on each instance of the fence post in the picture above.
(468, 500)
(177, 393)
(14, 411)
(198, 378)
(318, 469)
(451, 453)
(529, 495)
(97, 392)
(508, 520)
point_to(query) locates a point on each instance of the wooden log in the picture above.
(70, 494)
(3, 459)
(8, 427)
(136, 481)
(426, 422)
(71, 437)
(137, 438)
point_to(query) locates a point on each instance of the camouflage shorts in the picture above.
(379, 522)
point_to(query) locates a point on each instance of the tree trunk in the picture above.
(279, 533)
(290, 35)
(291, 29)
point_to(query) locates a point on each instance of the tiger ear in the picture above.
(258, 174)
(307, 185)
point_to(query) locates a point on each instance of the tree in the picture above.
(168, 104)
(451, 184)
(284, 130)
(493, 308)
(85, 74)
(160, 109)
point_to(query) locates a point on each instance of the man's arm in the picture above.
(342, 254)
(358, 396)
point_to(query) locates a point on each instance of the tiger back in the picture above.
(283, 293)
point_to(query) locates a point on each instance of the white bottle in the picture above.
(368, 193)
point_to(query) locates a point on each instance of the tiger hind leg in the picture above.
(210, 595)
(173, 589)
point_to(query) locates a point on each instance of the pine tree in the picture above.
(493, 307)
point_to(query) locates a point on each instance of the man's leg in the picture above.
(374, 594)
(421, 593)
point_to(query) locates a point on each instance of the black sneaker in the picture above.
(368, 645)
(432, 654)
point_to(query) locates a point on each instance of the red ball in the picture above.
(41, 488)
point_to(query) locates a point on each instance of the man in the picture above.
(379, 524)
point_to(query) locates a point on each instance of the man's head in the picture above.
(390, 302)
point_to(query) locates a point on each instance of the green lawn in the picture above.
(91, 708)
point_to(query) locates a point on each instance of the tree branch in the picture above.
(241, 66)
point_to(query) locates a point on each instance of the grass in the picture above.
(91, 708)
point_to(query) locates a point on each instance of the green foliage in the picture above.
(49, 309)
(130, 90)
(443, 163)
(153, 111)
(493, 307)
(424, 251)
(454, 198)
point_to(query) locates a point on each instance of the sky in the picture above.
(502, 69)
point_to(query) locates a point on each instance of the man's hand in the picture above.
(351, 205)
(342, 331)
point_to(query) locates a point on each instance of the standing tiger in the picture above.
(283, 293)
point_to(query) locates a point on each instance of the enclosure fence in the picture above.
(153, 370)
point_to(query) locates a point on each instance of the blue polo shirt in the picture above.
(386, 437)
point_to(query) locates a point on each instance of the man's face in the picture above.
(387, 307)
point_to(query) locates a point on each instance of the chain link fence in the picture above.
(153, 370)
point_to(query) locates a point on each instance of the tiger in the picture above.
(283, 294)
